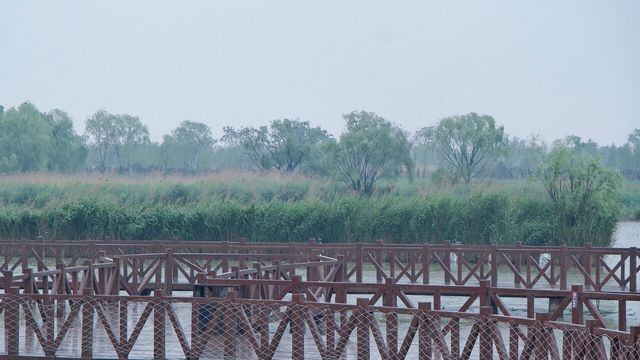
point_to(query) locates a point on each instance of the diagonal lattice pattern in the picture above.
(181, 328)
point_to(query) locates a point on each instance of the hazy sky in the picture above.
(546, 67)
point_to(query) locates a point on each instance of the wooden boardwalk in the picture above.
(518, 265)
(325, 294)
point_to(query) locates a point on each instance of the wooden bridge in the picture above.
(338, 301)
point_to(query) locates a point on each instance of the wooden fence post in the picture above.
(455, 337)
(483, 290)
(242, 250)
(296, 287)
(256, 290)
(44, 284)
(597, 258)
(311, 273)
(8, 279)
(24, 257)
(340, 291)
(331, 330)
(447, 262)
(175, 249)
(633, 270)
(577, 308)
(495, 260)
(115, 285)
(12, 322)
(426, 261)
(102, 279)
(92, 250)
(59, 288)
(378, 252)
(622, 315)
(363, 342)
(168, 271)
(230, 326)
(541, 350)
(486, 343)
(531, 306)
(48, 319)
(297, 327)
(27, 281)
(391, 300)
(424, 334)
(87, 322)
(60, 279)
(41, 251)
(634, 338)
(564, 268)
(159, 329)
(359, 258)
(517, 263)
(88, 279)
(587, 265)
(514, 338)
(123, 320)
(225, 258)
(596, 350)
(57, 252)
(74, 283)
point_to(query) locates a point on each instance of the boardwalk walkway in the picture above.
(258, 300)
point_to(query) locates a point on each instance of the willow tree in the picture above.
(584, 195)
(187, 142)
(467, 143)
(286, 145)
(129, 134)
(370, 150)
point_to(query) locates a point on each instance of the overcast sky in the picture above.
(546, 67)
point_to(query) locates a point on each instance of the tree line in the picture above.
(460, 148)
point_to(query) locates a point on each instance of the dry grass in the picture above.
(49, 178)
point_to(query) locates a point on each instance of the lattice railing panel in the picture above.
(177, 328)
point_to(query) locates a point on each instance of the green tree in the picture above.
(69, 151)
(115, 137)
(370, 150)
(522, 157)
(467, 143)
(8, 162)
(633, 145)
(578, 146)
(293, 143)
(425, 157)
(25, 139)
(584, 195)
(187, 142)
(100, 131)
(254, 141)
(128, 136)
(634, 139)
(285, 145)
(166, 155)
(233, 155)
